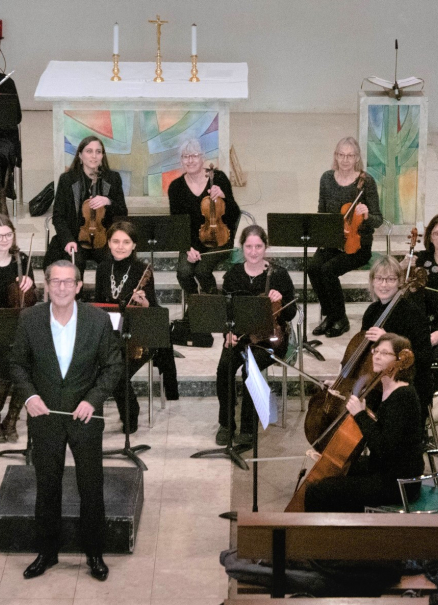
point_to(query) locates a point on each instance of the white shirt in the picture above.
(64, 338)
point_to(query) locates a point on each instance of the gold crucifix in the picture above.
(158, 70)
(158, 23)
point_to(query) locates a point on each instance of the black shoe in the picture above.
(338, 328)
(222, 436)
(322, 327)
(98, 568)
(39, 566)
(243, 439)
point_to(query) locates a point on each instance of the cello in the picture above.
(92, 233)
(213, 233)
(346, 444)
(324, 406)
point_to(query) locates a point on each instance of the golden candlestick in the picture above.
(194, 71)
(116, 71)
(158, 22)
(158, 70)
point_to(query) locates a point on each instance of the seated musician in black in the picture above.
(185, 196)
(117, 280)
(339, 186)
(394, 441)
(89, 173)
(251, 279)
(406, 318)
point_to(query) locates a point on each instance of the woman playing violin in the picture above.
(117, 278)
(394, 441)
(185, 196)
(10, 293)
(340, 186)
(89, 168)
(250, 279)
(386, 277)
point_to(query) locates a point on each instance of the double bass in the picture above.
(213, 233)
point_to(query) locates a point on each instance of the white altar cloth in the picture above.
(91, 80)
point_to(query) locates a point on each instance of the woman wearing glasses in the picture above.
(185, 196)
(89, 176)
(407, 319)
(393, 440)
(9, 271)
(339, 186)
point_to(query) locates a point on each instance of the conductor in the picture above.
(66, 359)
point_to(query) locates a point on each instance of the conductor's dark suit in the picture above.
(94, 371)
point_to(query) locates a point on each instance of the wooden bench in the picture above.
(278, 537)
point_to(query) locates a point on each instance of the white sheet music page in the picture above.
(259, 390)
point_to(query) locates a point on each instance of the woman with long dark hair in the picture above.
(88, 174)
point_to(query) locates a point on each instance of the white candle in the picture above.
(194, 39)
(116, 39)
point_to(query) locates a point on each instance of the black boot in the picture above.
(9, 424)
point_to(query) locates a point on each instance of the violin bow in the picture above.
(27, 269)
(148, 266)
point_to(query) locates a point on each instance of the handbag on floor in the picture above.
(42, 202)
(180, 334)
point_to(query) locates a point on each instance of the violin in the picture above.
(213, 233)
(346, 444)
(353, 221)
(17, 299)
(136, 352)
(280, 330)
(324, 405)
(92, 234)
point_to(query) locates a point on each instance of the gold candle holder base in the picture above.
(194, 71)
(158, 70)
(116, 71)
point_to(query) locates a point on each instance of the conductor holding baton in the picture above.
(66, 363)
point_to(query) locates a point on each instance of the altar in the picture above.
(142, 123)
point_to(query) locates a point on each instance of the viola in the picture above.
(353, 221)
(213, 233)
(17, 299)
(413, 240)
(346, 444)
(92, 234)
(324, 405)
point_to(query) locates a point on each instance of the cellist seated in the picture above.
(394, 440)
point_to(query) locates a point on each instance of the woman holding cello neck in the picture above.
(253, 277)
(340, 186)
(11, 293)
(88, 178)
(394, 441)
(186, 194)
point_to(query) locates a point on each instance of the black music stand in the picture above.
(304, 230)
(244, 315)
(8, 327)
(170, 233)
(145, 328)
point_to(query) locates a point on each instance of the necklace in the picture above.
(115, 290)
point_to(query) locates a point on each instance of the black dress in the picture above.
(395, 445)
(238, 282)
(163, 358)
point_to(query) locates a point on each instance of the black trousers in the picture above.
(202, 270)
(55, 252)
(324, 270)
(263, 360)
(50, 436)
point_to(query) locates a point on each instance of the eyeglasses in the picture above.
(382, 353)
(346, 156)
(6, 236)
(68, 283)
(191, 156)
(389, 280)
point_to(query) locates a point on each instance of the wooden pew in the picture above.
(351, 536)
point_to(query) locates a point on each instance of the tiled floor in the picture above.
(180, 535)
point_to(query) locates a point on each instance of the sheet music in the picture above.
(258, 389)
